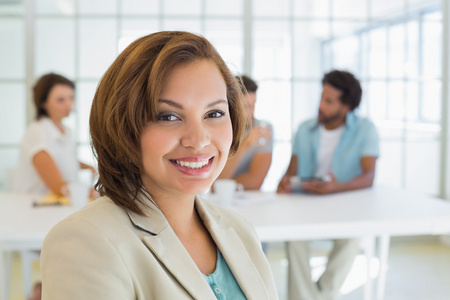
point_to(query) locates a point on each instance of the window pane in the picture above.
(281, 156)
(346, 54)
(228, 38)
(13, 112)
(12, 9)
(306, 99)
(363, 108)
(389, 164)
(85, 95)
(10, 159)
(54, 7)
(133, 29)
(422, 157)
(272, 49)
(271, 8)
(412, 59)
(365, 54)
(350, 9)
(190, 25)
(395, 100)
(101, 7)
(140, 7)
(182, 7)
(12, 53)
(312, 8)
(377, 98)
(396, 52)
(386, 8)
(346, 28)
(55, 47)
(431, 106)
(412, 104)
(98, 46)
(433, 16)
(229, 7)
(415, 5)
(273, 104)
(432, 46)
(377, 54)
(308, 49)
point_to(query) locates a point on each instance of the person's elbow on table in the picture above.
(284, 186)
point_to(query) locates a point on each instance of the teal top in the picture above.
(222, 281)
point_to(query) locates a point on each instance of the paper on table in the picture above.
(52, 199)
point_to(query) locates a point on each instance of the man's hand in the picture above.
(316, 186)
(284, 186)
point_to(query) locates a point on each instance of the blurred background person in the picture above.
(250, 164)
(334, 152)
(47, 161)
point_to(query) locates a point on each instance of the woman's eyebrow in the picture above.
(217, 103)
(179, 106)
(171, 103)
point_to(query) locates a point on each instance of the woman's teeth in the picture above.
(192, 164)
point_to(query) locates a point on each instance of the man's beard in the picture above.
(330, 119)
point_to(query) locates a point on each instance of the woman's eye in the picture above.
(168, 117)
(215, 114)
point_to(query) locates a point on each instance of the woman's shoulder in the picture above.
(102, 217)
(35, 126)
(38, 128)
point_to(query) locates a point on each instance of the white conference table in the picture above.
(379, 212)
(375, 214)
(23, 228)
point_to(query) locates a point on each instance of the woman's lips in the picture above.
(193, 166)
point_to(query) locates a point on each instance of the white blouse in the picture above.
(43, 135)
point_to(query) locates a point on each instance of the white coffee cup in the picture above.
(78, 194)
(227, 190)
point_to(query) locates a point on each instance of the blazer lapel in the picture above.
(235, 254)
(169, 250)
(161, 240)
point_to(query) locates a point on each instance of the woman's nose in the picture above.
(196, 136)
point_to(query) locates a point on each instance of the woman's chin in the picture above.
(196, 189)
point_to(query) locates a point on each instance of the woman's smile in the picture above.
(186, 147)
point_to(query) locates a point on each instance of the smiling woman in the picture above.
(186, 148)
(164, 120)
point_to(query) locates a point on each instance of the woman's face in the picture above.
(186, 148)
(59, 102)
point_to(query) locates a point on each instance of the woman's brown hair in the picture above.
(42, 89)
(125, 101)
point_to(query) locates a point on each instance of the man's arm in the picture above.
(285, 186)
(362, 181)
(259, 166)
(233, 163)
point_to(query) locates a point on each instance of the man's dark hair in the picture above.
(247, 84)
(347, 84)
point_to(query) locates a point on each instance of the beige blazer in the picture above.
(106, 252)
